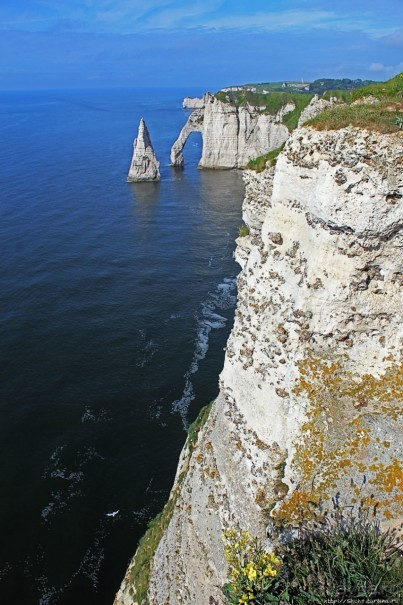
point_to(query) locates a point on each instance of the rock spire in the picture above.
(144, 165)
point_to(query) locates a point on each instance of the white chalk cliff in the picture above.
(311, 390)
(192, 103)
(144, 165)
(232, 136)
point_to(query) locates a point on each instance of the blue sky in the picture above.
(207, 43)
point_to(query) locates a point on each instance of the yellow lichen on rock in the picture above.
(340, 450)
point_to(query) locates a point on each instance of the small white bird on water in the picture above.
(113, 514)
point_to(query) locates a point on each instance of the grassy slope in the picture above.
(380, 117)
(263, 161)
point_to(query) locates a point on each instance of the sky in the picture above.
(195, 43)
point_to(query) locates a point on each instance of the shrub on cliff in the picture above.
(267, 160)
(243, 231)
(341, 558)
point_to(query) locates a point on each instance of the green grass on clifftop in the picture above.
(383, 116)
(268, 103)
(266, 160)
(291, 119)
(390, 89)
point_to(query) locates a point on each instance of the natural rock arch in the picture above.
(231, 135)
(194, 124)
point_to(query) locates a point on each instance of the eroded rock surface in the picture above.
(144, 165)
(315, 107)
(192, 103)
(231, 135)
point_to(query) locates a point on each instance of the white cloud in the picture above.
(175, 16)
(271, 21)
(386, 70)
(128, 11)
(379, 67)
(134, 16)
(394, 39)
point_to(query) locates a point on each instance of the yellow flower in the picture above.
(274, 559)
(250, 571)
(270, 571)
(243, 599)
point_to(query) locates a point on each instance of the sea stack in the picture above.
(144, 165)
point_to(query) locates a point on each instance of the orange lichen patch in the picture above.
(319, 375)
(390, 477)
(299, 504)
(338, 450)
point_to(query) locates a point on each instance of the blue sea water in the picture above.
(116, 303)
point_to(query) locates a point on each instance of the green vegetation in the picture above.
(372, 117)
(340, 557)
(291, 119)
(268, 103)
(347, 91)
(345, 96)
(382, 116)
(139, 574)
(326, 84)
(250, 568)
(392, 89)
(319, 86)
(196, 426)
(243, 230)
(262, 162)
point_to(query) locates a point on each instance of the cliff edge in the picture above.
(311, 390)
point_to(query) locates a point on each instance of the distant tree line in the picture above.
(323, 84)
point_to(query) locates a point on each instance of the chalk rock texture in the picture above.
(315, 107)
(231, 135)
(311, 390)
(144, 165)
(194, 124)
(192, 103)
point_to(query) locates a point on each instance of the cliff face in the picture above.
(231, 135)
(311, 390)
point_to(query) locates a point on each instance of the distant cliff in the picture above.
(232, 135)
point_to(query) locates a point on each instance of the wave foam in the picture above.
(149, 348)
(223, 298)
(68, 481)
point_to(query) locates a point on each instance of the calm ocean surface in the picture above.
(116, 303)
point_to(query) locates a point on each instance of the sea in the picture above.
(116, 303)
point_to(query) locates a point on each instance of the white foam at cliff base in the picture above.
(182, 405)
(223, 299)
